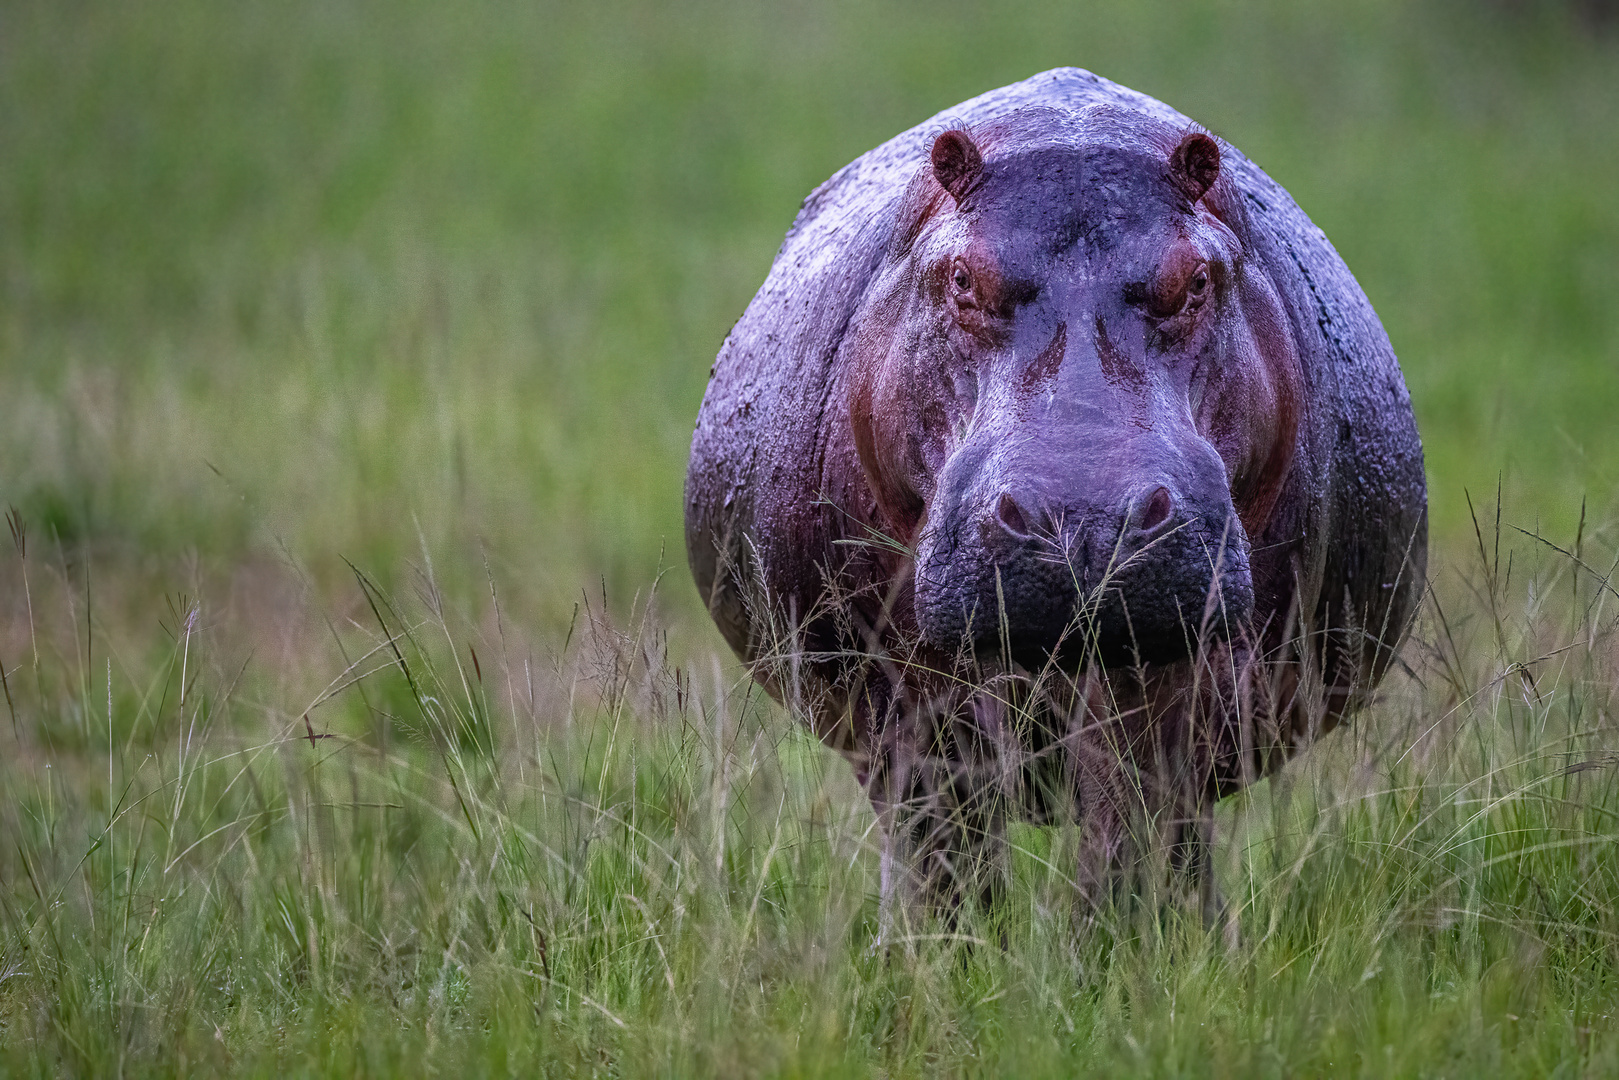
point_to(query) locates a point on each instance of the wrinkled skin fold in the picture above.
(1060, 469)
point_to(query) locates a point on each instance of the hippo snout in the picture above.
(1030, 519)
(1139, 578)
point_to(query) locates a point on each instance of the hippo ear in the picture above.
(1195, 164)
(957, 163)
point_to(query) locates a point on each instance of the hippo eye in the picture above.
(1198, 287)
(961, 279)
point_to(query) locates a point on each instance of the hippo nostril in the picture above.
(1160, 504)
(1011, 516)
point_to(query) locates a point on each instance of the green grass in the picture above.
(471, 856)
(434, 289)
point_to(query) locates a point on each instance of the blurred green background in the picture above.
(395, 280)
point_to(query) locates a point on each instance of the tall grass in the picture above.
(478, 851)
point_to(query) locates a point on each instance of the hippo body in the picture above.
(1060, 468)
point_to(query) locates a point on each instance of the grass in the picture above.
(432, 292)
(470, 854)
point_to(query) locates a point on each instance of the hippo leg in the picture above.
(1136, 846)
(1110, 801)
(1145, 804)
(943, 823)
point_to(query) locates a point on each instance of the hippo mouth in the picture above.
(1118, 593)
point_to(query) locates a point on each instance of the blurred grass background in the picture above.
(295, 272)
(435, 288)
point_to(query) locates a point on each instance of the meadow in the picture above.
(361, 718)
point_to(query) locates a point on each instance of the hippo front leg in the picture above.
(1146, 824)
(1136, 848)
(942, 841)
(1109, 798)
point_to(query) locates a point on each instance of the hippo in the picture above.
(1059, 471)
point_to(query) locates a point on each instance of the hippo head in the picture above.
(1071, 395)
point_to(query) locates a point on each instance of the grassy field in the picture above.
(325, 326)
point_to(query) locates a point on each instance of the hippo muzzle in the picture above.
(1082, 545)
